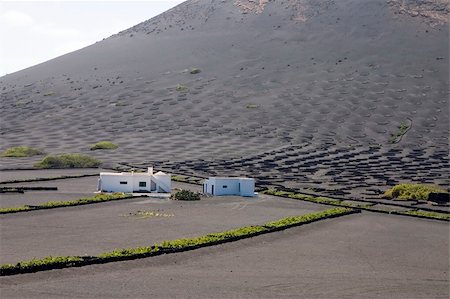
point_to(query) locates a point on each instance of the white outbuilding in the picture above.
(229, 186)
(130, 182)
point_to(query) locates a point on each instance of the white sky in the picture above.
(35, 31)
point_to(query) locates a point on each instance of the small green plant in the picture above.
(413, 191)
(182, 88)
(21, 151)
(49, 94)
(185, 195)
(68, 161)
(103, 145)
(251, 106)
(195, 71)
(121, 104)
(402, 129)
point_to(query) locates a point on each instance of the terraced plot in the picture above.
(368, 255)
(93, 229)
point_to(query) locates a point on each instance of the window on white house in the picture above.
(224, 186)
(123, 182)
(142, 184)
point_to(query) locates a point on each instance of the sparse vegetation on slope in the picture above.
(68, 161)
(413, 191)
(21, 151)
(103, 145)
(172, 246)
(402, 129)
(182, 88)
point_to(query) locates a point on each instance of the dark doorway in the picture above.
(212, 190)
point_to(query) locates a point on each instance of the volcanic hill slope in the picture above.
(302, 93)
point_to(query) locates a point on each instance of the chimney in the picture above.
(150, 170)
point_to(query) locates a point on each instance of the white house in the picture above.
(229, 186)
(129, 182)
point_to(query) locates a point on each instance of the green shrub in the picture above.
(185, 195)
(195, 71)
(402, 129)
(182, 88)
(68, 161)
(413, 191)
(21, 151)
(103, 145)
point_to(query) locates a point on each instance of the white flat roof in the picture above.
(125, 173)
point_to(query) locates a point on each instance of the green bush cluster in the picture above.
(413, 191)
(68, 161)
(21, 151)
(195, 70)
(177, 245)
(185, 195)
(402, 129)
(182, 88)
(103, 145)
(57, 204)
